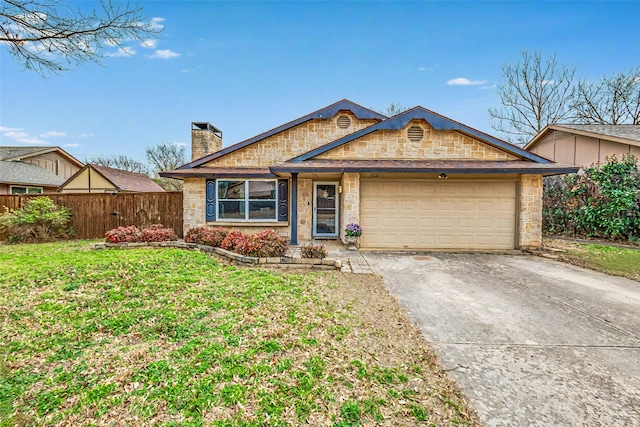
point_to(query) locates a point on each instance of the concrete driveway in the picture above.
(530, 341)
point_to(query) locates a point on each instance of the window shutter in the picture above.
(211, 200)
(283, 200)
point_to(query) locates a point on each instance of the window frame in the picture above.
(247, 200)
(26, 189)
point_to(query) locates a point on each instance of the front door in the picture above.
(325, 209)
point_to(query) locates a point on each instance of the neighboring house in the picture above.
(584, 145)
(417, 180)
(101, 179)
(35, 170)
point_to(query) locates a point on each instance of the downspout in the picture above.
(294, 209)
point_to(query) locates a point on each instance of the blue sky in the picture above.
(247, 67)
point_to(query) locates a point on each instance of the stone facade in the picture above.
(349, 201)
(204, 142)
(292, 142)
(435, 144)
(305, 208)
(193, 203)
(530, 212)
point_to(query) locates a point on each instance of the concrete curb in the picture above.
(285, 261)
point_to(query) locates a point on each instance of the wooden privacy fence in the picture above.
(94, 214)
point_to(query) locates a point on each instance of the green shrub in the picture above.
(313, 251)
(38, 220)
(601, 201)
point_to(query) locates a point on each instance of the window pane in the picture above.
(18, 190)
(35, 190)
(231, 210)
(262, 210)
(230, 189)
(265, 190)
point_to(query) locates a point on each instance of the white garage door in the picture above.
(438, 215)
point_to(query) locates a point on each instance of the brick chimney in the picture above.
(205, 139)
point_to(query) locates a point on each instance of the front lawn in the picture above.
(615, 260)
(174, 337)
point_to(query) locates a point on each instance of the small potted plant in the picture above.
(352, 234)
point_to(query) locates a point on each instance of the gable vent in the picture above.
(415, 133)
(344, 122)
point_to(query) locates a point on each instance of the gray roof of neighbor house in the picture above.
(13, 153)
(123, 180)
(626, 134)
(27, 174)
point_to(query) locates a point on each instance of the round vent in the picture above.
(344, 122)
(415, 133)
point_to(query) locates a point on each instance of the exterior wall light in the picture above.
(443, 176)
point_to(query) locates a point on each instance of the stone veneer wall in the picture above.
(530, 212)
(435, 144)
(193, 203)
(349, 201)
(305, 209)
(291, 143)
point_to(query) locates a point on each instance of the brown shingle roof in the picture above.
(127, 181)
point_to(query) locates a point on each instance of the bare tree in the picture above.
(394, 109)
(119, 162)
(611, 100)
(166, 157)
(49, 36)
(535, 92)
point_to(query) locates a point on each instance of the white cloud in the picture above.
(149, 44)
(157, 23)
(122, 51)
(15, 135)
(52, 134)
(8, 129)
(463, 81)
(85, 135)
(163, 54)
(493, 86)
(72, 145)
(548, 82)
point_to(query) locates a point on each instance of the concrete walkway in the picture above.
(532, 342)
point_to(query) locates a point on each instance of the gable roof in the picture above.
(15, 153)
(437, 121)
(23, 173)
(625, 134)
(324, 113)
(121, 179)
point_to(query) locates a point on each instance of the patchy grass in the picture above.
(176, 338)
(614, 260)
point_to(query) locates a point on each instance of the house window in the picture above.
(247, 200)
(25, 190)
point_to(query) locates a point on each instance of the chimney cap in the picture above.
(206, 126)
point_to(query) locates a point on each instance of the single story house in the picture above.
(35, 170)
(417, 180)
(101, 179)
(584, 145)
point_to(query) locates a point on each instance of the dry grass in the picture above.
(171, 337)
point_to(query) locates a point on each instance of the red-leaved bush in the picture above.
(266, 243)
(234, 239)
(158, 233)
(206, 236)
(132, 234)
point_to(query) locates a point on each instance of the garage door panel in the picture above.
(446, 215)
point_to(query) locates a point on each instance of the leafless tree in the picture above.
(394, 109)
(166, 157)
(49, 36)
(535, 92)
(119, 162)
(611, 100)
